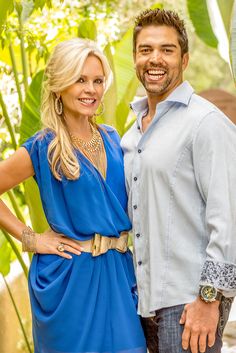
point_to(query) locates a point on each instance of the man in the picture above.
(180, 159)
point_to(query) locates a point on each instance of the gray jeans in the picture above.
(164, 333)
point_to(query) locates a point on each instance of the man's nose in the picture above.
(156, 56)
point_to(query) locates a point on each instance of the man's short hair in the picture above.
(160, 17)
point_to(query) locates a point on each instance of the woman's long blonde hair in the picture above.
(63, 69)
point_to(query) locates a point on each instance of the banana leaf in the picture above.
(198, 13)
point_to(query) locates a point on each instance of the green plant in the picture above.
(199, 14)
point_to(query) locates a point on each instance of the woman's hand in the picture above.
(49, 241)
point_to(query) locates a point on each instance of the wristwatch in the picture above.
(209, 294)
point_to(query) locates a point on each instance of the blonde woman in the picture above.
(81, 281)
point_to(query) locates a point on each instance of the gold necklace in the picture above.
(92, 145)
(93, 150)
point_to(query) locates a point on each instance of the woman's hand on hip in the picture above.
(51, 242)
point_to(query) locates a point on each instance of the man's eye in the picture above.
(145, 50)
(168, 51)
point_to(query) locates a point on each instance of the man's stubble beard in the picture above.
(158, 89)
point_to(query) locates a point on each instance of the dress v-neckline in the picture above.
(91, 163)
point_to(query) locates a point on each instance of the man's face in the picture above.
(158, 61)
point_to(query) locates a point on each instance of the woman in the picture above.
(81, 280)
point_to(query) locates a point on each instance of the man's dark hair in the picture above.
(159, 17)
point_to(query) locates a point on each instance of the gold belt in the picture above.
(100, 244)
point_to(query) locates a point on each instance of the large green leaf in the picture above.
(110, 98)
(226, 8)
(30, 124)
(123, 62)
(31, 110)
(87, 29)
(6, 7)
(199, 16)
(5, 255)
(233, 43)
(123, 107)
(34, 203)
(6, 58)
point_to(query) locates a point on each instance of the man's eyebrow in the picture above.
(168, 46)
(144, 46)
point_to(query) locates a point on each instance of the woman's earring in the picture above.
(101, 111)
(58, 106)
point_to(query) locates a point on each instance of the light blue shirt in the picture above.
(181, 183)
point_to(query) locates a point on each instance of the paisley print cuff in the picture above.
(221, 275)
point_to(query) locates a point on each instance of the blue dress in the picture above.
(86, 304)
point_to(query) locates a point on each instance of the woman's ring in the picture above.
(61, 247)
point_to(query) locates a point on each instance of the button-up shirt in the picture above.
(181, 183)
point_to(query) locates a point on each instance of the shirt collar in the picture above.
(181, 94)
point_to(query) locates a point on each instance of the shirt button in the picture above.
(137, 235)
(135, 178)
(139, 151)
(135, 207)
(139, 263)
(138, 127)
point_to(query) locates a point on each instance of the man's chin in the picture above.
(154, 88)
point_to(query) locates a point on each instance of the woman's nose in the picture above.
(89, 87)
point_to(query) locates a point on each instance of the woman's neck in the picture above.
(79, 126)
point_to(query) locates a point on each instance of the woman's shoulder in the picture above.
(40, 139)
(111, 132)
(108, 128)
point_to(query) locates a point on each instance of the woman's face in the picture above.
(84, 96)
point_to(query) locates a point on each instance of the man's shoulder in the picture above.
(202, 105)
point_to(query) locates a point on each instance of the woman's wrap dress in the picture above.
(86, 304)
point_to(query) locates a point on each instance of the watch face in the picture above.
(208, 293)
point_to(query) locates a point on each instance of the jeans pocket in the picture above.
(224, 309)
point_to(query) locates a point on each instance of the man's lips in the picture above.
(155, 74)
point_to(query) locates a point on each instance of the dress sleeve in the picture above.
(214, 159)
(32, 147)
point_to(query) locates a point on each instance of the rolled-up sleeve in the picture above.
(214, 160)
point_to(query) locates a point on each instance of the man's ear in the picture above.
(185, 61)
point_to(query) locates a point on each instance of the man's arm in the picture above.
(214, 157)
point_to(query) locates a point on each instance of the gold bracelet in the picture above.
(28, 240)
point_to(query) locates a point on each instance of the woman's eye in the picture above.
(80, 80)
(99, 80)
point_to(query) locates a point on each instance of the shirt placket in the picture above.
(136, 208)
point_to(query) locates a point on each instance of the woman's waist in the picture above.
(100, 244)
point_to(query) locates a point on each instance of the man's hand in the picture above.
(200, 321)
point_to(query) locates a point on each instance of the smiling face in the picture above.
(84, 96)
(158, 61)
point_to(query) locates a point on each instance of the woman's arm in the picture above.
(13, 171)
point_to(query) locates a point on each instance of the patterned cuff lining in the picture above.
(220, 275)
